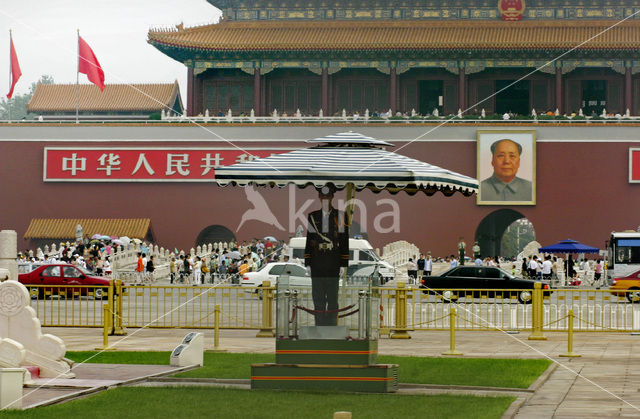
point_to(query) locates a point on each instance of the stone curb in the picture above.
(535, 386)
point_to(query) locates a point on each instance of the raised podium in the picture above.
(340, 358)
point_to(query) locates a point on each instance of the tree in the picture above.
(516, 237)
(19, 102)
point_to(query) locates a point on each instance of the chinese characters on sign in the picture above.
(142, 164)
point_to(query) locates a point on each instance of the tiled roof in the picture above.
(394, 35)
(115, 97)
(65, 228)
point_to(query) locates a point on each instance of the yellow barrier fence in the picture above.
(69, 305)
(397, 310)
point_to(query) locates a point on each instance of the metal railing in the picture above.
(397, 310)
(70, 305)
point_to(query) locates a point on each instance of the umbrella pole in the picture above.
(566, 269)
(351, 196)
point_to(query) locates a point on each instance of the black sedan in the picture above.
(480, 281)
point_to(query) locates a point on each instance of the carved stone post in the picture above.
(9, 252)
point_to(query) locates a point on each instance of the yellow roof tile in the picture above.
(115, 97)
(65, 228)
(413, 34)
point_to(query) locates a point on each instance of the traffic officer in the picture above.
(326, 252)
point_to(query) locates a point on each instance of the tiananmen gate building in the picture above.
(411, 57)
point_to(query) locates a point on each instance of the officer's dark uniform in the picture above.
(327, 250)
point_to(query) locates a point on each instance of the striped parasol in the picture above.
(348, 160)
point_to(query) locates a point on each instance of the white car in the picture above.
(272, 271)
(360, 253)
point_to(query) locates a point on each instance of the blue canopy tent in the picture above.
(568, 246)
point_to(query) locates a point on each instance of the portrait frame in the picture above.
(526, 171)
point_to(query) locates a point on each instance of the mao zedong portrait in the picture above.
(504, 185)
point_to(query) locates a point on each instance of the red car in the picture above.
(63, 274)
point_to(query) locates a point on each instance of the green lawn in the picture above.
(515, 373)
(179, 402)
(173, 402)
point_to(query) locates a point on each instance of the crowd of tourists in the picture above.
(223, 265)
(547, 268)
(91, 257)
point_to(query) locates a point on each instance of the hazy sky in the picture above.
(45, 38)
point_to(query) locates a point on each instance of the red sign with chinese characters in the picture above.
(634, 165)
(62, 164)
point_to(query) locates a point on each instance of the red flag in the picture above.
(15, 68)
(89, 65)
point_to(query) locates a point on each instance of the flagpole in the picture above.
(10, 77)
(78, 77)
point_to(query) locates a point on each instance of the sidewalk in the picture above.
(608, 363)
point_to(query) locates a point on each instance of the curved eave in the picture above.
(183, 54)
(445, 187)
(389, 48)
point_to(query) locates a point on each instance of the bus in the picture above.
(623, 249)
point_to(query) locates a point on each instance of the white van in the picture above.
(361, 255)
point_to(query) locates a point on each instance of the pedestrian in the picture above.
(222, 270)
(585, 270)
(244, 267)
(524, 269)
(570, 268)
(215, 267)
(186, 270)
(139, 270)
(412, 270)
(461, 249)
(478, 261)
(533, 267)
(204, 269)
(144, 266)
(197, 271)
(172, 270)
(547, 267)
(453, 262)
(476, 250)
(180, 268)
(150, 270)
(597, 273)
(100, 267)
(421, 262)
(428, 265)
(107, 267)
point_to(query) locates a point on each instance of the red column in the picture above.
(462, 89)
(628, 90)
(190, 80)
(325, 91)
(392, 90)
(198, 95)
(256, 92)
(559, 89)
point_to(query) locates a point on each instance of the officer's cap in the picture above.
(326, 191)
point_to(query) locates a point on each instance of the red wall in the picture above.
(582, 193)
